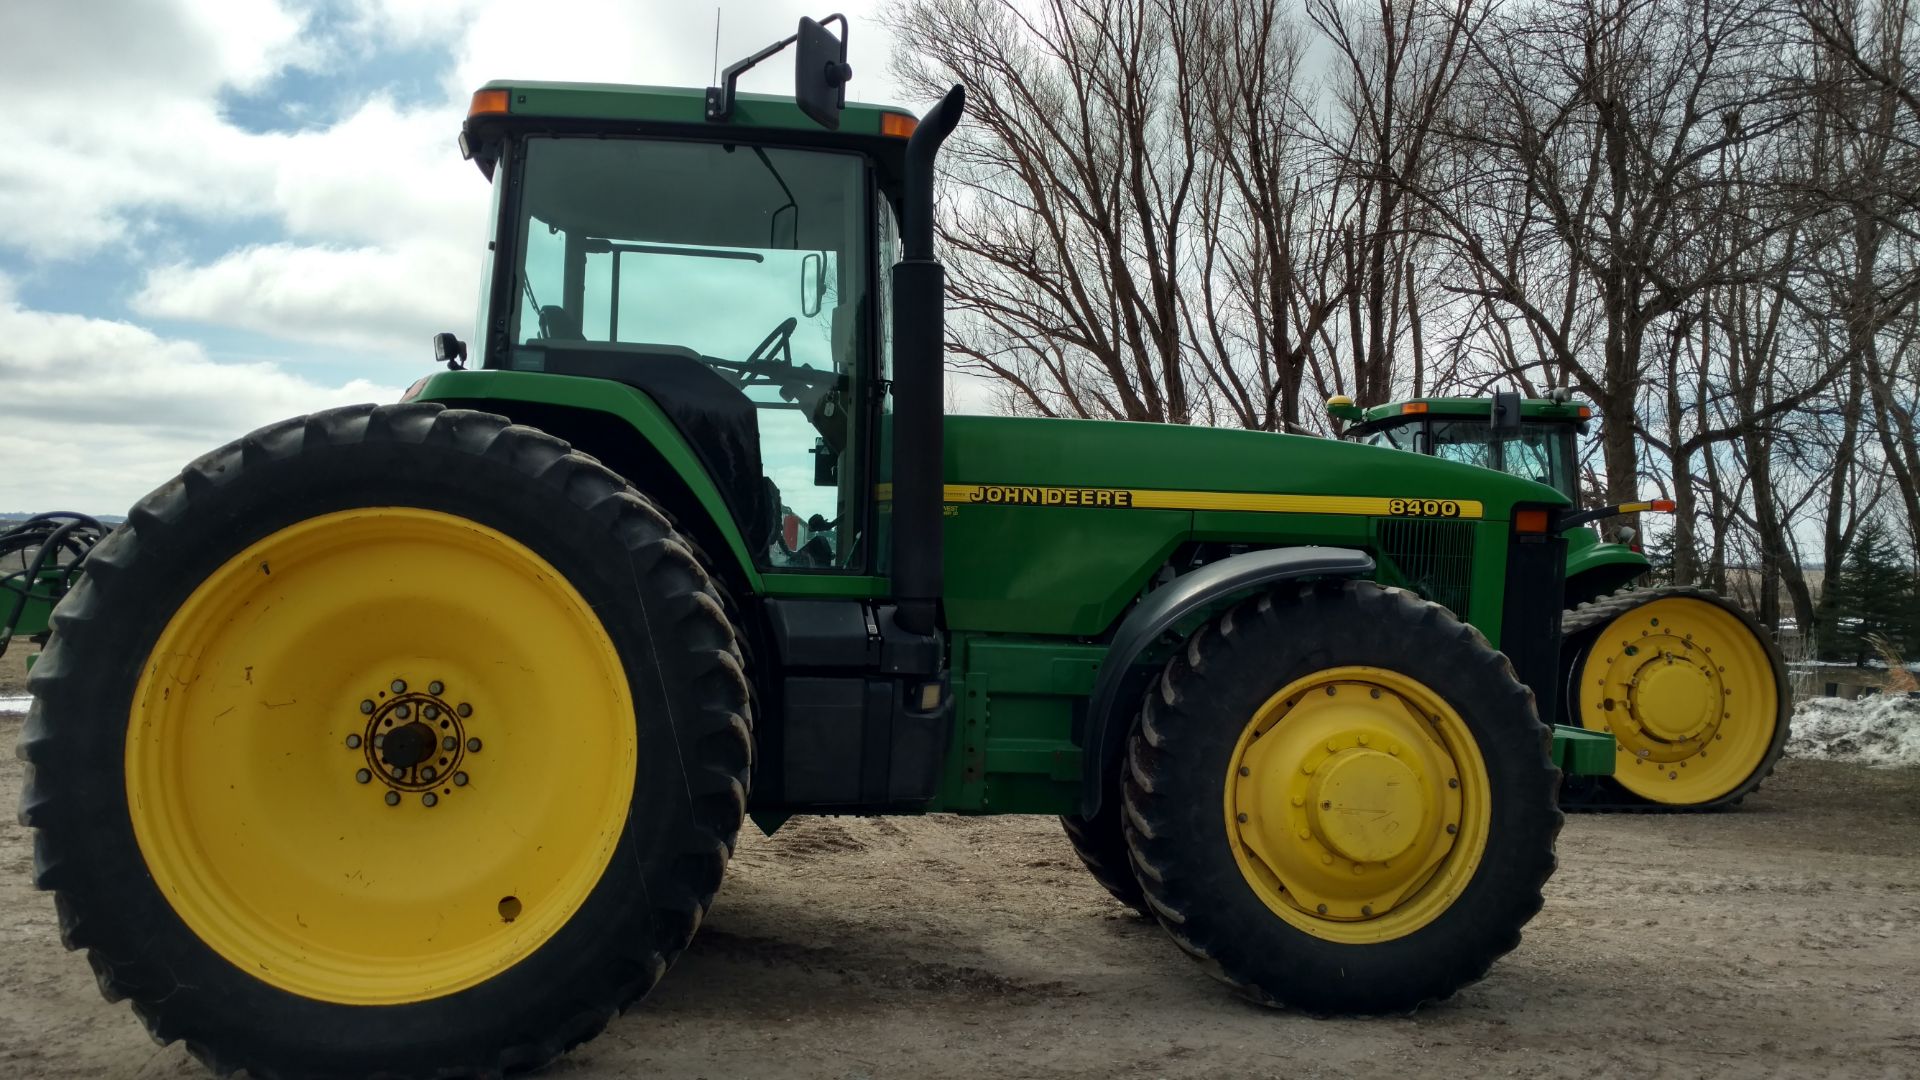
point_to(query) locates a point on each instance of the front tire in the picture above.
(390, 740)
(1340, 799)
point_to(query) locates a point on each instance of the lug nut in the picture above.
(1366, 909)
(379, 741)
(473, 746)
(449, 743)
(363, 776)
(1322, 909)
(459, 779)
(398, 772)
(429, 799)
(366, 706)
(399, 686)
(353, 742)
(431, 712)
(393, 798)
(464, 709)
(403, 712)
(427, 773)
(436, 687)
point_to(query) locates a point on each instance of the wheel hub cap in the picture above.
(1365, 805)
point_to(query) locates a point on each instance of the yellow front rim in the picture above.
(1688, 693)
(1357, 804)
(380, 756)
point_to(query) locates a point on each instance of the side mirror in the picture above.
(1506, 412)
(813, 283)
(821, 71)
(449, 350)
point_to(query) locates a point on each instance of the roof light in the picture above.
(1530, 521)
(897, 125)
(1414, 407)
(1585, 413)
(487, 102)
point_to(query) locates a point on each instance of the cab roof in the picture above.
(1482, 408)
(624, 104)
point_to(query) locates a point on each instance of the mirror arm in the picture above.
(720, 98)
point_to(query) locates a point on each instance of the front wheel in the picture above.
(1341, 799)
(388, 741)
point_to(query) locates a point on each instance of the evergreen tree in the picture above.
(1875, 594)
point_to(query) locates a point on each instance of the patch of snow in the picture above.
(14, 704)
(1880, 729)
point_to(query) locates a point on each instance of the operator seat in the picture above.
(714, 416)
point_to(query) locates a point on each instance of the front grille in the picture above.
(1432, 557)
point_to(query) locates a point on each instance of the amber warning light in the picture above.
(487, 102)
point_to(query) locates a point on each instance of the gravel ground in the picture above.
(1781, 939)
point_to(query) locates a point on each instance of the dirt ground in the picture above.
(1783, 939)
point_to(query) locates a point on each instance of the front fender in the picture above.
(1108, 711)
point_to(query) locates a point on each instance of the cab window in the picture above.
(730, 283)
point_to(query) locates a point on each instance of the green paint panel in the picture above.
(1579, 752)
(1585, 552)
(1013, 750)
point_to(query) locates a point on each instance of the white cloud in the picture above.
(97, 412)
(387, 301)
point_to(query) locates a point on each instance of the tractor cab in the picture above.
(1532, 438)
(723, 258)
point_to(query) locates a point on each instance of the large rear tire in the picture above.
(390, 740)
(1341, 799)
(1692, 690)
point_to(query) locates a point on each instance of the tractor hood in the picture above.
(1170, 466)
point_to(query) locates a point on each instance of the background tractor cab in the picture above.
(1533, 438)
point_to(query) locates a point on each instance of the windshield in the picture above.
(730, 283)
(1540, 451)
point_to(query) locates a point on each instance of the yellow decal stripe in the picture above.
(1150, 499)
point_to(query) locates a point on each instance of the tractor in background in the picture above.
(413, 739)
(39, 561)
(1692, 689)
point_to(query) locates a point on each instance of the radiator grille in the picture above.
(1433, 558)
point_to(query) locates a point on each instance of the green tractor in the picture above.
(1691, 688)
(414, 739)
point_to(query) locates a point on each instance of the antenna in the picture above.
(716, 43)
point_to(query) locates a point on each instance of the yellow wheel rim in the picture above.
(1688, 693)
(1357, 804)
(380, 756)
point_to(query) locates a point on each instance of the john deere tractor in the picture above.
(413, 739)
(1692, 690)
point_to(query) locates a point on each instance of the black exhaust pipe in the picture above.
(919, 346)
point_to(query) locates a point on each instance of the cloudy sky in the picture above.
(218, 213)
